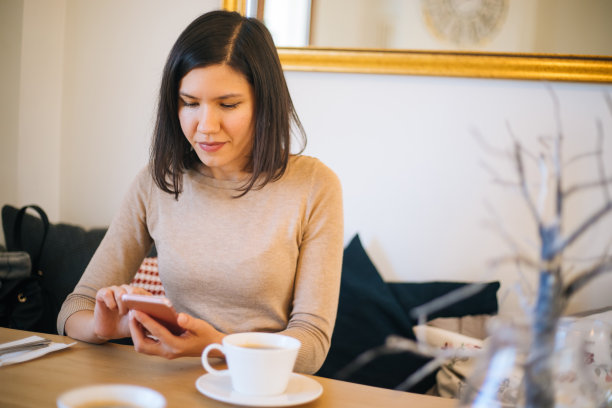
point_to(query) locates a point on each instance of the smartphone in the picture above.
(159, 308)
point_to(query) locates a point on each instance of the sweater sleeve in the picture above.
(118, 256)
(319, 266)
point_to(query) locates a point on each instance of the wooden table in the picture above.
(38, 383)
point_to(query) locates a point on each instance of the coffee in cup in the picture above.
(259, 364)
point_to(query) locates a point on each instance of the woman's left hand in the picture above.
(198, 334)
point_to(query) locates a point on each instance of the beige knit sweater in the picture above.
(268, 261)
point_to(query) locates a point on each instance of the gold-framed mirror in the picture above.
(474, 64)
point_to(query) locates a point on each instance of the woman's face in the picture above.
(216, 111)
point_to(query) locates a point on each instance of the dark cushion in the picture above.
(65, 254)
(370, 309)
(367, 313)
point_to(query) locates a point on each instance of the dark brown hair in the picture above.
(244, 44)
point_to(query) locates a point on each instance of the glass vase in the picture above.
(580, 366)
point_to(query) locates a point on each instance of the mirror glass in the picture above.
(569, 27)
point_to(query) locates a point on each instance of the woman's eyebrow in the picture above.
(226, 96)
(230, 95)
(185, 94)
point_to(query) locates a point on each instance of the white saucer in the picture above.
(301, 389)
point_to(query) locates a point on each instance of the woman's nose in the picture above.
(208, 121)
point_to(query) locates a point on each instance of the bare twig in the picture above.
(580, 156)
(525, 283)
(545, 142)
(393, 345)
(400, 343)
(495, 177)
(588, 223)
(556, 157)
(608, 100)
(403, 344)
(586, 276)
(505, 235)
(523, 183)
(604, 180)
(510, 156)
(397, 344)
(363, 359)
(556, 112)
(502, 230)
(523, 300)
(414, 378)
(587, 185)
(605, 252)
(515, 142)
(543, 184)
(600, 162)
(452, 297)
(493, 151)
(523, 288)
(515, 259)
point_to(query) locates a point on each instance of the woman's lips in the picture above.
(211, 147)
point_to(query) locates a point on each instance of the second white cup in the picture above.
(259, 364)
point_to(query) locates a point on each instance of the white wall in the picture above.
(11, 24)
(401, 145)
(413, 185)
(40, 103)
(115, 52)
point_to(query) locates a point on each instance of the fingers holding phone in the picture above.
(150, 337)
(110, 297)
(158, 308)
(110, 315)
(153, 325)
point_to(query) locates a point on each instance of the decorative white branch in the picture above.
(497, 224)
(579, 157)
(517, 259)
(587, 185)
(601, 168)
(543, 187)
(553, 293)
(396, 344)
(520, 168)
(586, 276)
(562, 244)
(421, 312)
(491, 150)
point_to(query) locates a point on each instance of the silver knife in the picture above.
(33, 345)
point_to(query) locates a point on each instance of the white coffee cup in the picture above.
(111, 395)
(259, 364)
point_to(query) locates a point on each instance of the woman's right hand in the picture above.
(110, 314)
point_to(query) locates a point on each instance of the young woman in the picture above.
(249, 236)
